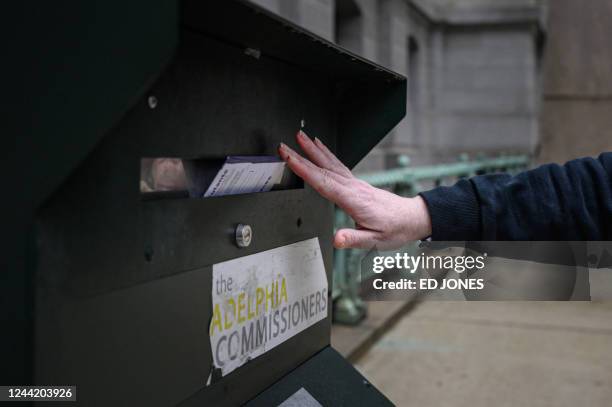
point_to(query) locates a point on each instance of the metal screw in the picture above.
(244, 235)
(152, 102)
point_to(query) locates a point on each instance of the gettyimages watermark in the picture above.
(536, 271)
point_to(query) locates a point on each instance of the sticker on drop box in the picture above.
(261, 300)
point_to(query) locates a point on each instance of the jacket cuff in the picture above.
(454, 212)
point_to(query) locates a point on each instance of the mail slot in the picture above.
(121, 286)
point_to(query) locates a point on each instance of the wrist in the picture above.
(420, 220)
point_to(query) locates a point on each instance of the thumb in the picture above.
(356, 239)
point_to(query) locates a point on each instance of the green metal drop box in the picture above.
(115, 293)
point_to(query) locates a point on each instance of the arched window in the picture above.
(348, 25)
(414, 77)
(413, 72)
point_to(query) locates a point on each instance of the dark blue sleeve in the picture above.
(551, 202)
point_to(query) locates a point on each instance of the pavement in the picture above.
(353, 341)
(457, 353)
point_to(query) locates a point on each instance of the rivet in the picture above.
(152, 100)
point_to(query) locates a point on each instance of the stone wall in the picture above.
(577, 110)
(471, 65)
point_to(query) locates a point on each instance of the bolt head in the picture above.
(152, 101)
(244, 235)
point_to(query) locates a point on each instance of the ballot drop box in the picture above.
(171, 258)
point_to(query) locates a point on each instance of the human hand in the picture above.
(382, 219)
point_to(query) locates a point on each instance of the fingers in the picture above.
(329, 184)
(332, 157)
(356, 239)
(320, 155)
(313, 152)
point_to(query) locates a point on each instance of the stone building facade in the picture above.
(472, 68)
(576, 118)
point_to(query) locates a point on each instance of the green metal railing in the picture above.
(349, 308)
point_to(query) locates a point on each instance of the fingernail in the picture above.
(317, 140)
(342, 241)
(285, 151)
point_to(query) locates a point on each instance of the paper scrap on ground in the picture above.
(262, 300)
(246, 174)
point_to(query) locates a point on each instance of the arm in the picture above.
(551, 202)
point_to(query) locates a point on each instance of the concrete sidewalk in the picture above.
(494, 353)
(353, 341)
